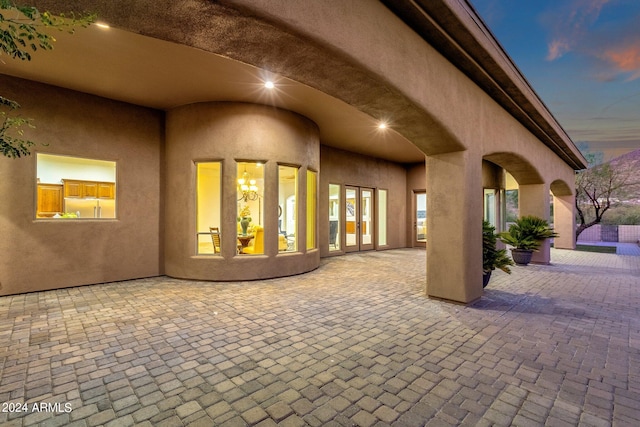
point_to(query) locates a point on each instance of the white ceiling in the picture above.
(149, 72)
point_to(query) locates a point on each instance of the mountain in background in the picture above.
(629, 161)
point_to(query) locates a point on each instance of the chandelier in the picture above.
(247, 186)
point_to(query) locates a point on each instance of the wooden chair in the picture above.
(215, 238)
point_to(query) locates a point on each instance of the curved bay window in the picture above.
(287, 208)
(250, 181)
(250, 191)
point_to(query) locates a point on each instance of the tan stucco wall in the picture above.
(346, 168)
(328, 46)
(229, 132)
(48, 254)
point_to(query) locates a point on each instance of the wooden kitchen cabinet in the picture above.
(89, 189)
(106, 190)
(73, 188)
(49, 200)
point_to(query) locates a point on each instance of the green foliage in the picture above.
(597, 249)
(623, 215)
(593, 158)
(23, 30)
(493, 258)
(12, 143)
(601, 188)
(528, 232)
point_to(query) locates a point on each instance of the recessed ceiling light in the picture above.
(382, 125)
(269, 84)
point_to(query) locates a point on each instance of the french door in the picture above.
(359, 219)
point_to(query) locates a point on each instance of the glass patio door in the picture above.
(359, 219)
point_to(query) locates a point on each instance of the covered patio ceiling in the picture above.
(145, 71)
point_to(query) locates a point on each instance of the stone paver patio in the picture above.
(354, 343)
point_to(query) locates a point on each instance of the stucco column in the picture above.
(564, 222)
(534, 200)
(454, 229)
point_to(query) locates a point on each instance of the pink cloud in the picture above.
(557, 48)
(625, 59)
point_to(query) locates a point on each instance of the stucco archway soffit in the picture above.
(560, 188)
(520, 168)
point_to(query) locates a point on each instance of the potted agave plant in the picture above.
(492, 257)
(526, 235)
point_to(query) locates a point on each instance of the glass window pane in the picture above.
(334, 217)
(421, 217)
(382, 217)
(250, 186)
(311, 209)
(511, 206)
(208, 208)
(74, 187)
(502, 202)
(351, 232)
(490, 206)
(287, 210)
(367, 217)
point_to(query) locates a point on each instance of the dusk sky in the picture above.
(582, 57)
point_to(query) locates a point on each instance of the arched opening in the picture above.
(519, 190)
(563, 216)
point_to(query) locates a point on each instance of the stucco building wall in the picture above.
(455, 117)
(40, 254)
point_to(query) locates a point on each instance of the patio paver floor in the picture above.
(355, 342)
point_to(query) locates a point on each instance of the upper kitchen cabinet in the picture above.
(89, 189)
(106, 190)
(73, 188)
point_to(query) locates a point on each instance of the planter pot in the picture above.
(521, 256)
(485, 279)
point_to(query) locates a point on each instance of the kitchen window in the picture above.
(75, 188)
